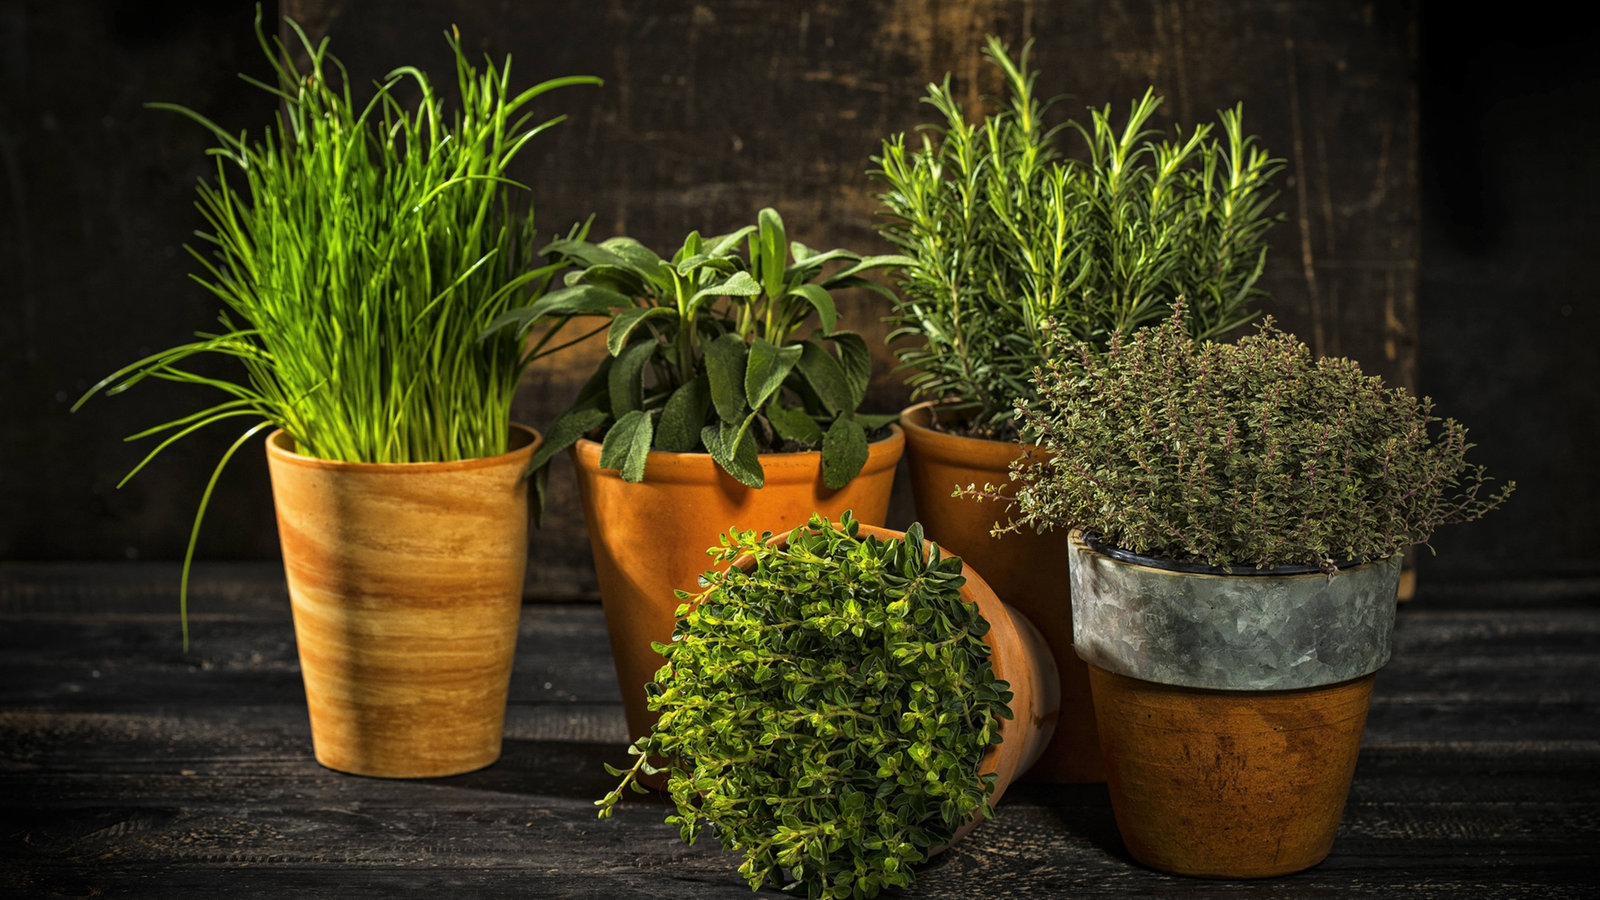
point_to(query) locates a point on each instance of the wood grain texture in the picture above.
(406, 585)
(129, 769)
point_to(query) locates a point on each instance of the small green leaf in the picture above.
(678, 430)
(821, 301)
(583, 253)
(856, 360)
(793, 424)
(825, 376)
(773, 242)
(725, 367)
(844, 452)
(629, 319)
(564, 432)
(739, 284)
(734, 449)
(579, 299)
(766, 369)
(625, 384)
(638, 256)
(626, 447)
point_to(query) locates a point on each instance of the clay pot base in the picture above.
(1026, 569)
(1228, 784)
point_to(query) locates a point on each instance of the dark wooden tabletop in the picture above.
(128, 767)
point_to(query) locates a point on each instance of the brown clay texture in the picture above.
(406, 586)
(650, 538)
(1028, 570)
(1228, 784)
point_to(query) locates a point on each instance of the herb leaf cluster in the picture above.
(1009, 234)
(705, 351)
(825, 704)
(1245, 454)
(358, 250)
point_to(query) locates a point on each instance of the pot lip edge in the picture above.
(1086, 541)
(278, 453)
(882, 450)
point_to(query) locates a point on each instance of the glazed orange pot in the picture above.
(1025, 568)
(405, 581)
(1230, 703)
(649, 538)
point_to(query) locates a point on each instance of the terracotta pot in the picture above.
(650, 538)
(1229, 784)
(1230, 706)
(406, 585)
(1024, 569)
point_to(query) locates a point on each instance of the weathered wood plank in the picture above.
(169, 774)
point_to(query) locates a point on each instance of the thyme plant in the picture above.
(1010, 234)
(824, 706)
(1246, 454)
(706, 353)
(358, 250)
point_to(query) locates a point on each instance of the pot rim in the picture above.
(921, 417)
(667, 465)
(1194, 568)
(523, 439)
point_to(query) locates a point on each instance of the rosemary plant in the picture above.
(706, 351)
(1246, 454)
(825, 704)
(1009, 234)
(358, 250)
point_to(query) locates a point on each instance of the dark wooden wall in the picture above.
(714, 109)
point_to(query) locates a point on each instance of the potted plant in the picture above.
(839, 702)
(1242, 510)
(358, 251)
(728, 395)
(1008, 234)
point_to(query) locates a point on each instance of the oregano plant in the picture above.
(1249, 454)
(708, 351)
(824, 704)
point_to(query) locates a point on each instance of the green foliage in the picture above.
(824, 706)
(358, 251)
(705, 352)
(1008, 234)
(1244, 454)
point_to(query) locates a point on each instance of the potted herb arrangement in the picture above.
(359, 250)
(840, 702)
(1242, 511)
(728, 395)
(1009, 234)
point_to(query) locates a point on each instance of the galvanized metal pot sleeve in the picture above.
(1232, 632)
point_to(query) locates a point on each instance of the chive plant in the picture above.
(359, 249)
